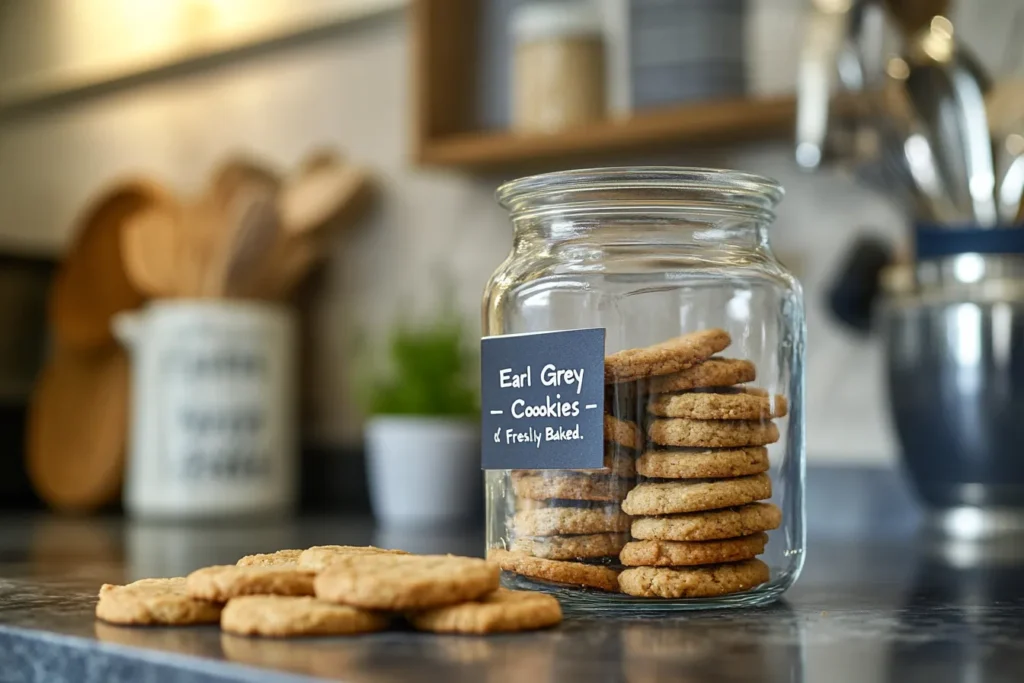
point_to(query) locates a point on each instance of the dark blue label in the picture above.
(542, 400)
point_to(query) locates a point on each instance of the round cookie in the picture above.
(502, 611)
(702, 463)
(319, 557)
(709, 525)
(223, 582)
(279, 615)
(585, 546)
(568, 485)
(617, 463)
(719, 406)
(666, 498)
(568, 573)
(554, 521)
(152, 602)
(405, 582)
(714, 372)
(665, 357)
(712, 433)
(622, 432)
(693, 582)
(281, 558)
(687, 553)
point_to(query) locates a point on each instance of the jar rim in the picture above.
(756, 192)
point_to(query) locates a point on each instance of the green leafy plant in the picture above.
(429, 371)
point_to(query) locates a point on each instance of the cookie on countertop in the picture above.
(279, 615)
(706, 405)
(703, 463)
(281, 558)
(577, 574)
(693, 582)
(714, 372)
(568, 485)
(666, 498)
(710, 524)
(152, 602)
(665, 357)
(502, 611)
(555, 521)
(680, 431)
(319, 557)
(622, 432)
(405, 582)
(688, 553)
(223, 582)
(586, 546)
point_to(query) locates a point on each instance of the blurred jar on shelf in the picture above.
(558, 65)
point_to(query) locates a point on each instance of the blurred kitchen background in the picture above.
(420, 96)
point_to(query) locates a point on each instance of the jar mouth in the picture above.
(722, 190)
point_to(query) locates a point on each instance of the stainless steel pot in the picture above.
(955, 370)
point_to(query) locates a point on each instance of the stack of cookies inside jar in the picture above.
(679, 509)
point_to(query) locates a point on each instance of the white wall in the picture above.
(352, 91)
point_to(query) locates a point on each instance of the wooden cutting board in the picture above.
(77, 428)
(91, 284)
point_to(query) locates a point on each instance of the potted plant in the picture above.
(422, 435)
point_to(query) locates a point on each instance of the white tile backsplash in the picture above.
(352, 91)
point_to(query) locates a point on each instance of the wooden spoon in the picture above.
(92, 284)
(77, 428)
(294, 258)
(249, 236)
(149, 242)
(321, 194)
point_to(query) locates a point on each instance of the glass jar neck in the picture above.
(652, 207)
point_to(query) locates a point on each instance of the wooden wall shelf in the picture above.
(697, 124)
(445, 52)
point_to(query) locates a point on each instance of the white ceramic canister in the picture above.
(213, 409)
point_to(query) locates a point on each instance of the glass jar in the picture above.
(700, 499)
(558, 73)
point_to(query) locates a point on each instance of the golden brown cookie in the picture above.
(319, 557)
(703, 463)
(148, 602)
(693, 582)
(712, 433)
(223, 582)
(279, 615)
(585, 546)
(687, 553)
(622, 432)
(281, 558)
(502, 611)
(568, 485)
(666, 357)
(706, 405)
(569, 573)
(617, 463)
(709, 525)
(714, 372)
(555, 521)
(666, 498)
(405, 582)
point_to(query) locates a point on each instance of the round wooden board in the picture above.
(77, 429)
(92, 283)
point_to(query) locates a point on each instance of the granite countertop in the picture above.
(876, 602)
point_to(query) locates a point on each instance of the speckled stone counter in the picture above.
(877, 602)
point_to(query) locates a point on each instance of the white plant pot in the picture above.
(423, 471)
